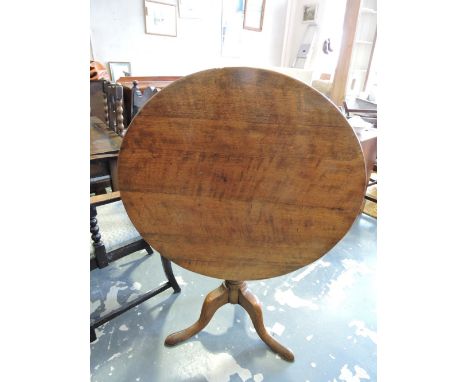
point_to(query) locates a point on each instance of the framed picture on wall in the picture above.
(253, 14)
(119, 69)
(160, 18)
(309, 13)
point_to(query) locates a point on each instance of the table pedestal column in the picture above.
(234, 292)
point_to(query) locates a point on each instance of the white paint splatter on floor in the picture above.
(258, 377)
(180, 281)
(363, 331)
(111, 302)
(123, 328)
(310, 268)
(331, 356)
(192, 366)
(287, 297)
(278, 328)
(95, 304)
(337, 287)
(348, 376)
(219, 367)
(114, 356)
(136, 286)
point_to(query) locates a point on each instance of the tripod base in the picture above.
(234, 292)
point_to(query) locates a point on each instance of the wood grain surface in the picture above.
(102, 140)
(241, 173)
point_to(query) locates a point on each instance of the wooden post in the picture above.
(340, 79)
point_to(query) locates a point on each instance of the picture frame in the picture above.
(253, 15)
(309, 13)
(160, 18)
(119, 69)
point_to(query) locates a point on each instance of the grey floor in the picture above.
(325, 313)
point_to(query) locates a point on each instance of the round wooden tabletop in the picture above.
(241, 173)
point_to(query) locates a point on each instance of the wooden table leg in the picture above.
(213, 301)
(253, 307)
(234, 292)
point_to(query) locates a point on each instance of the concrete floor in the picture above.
(325, 313)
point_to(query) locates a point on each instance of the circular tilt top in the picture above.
(241, 173)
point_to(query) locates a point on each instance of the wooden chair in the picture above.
(134, 99)
(106, 103)
(118, 233)
(117, 113)
(158, 82)
(102, 168)
(98, 100)
(99, 110)
(114, 238)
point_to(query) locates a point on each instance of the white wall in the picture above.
(118, 34)
(329, 25)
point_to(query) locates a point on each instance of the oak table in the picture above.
(241, 174)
